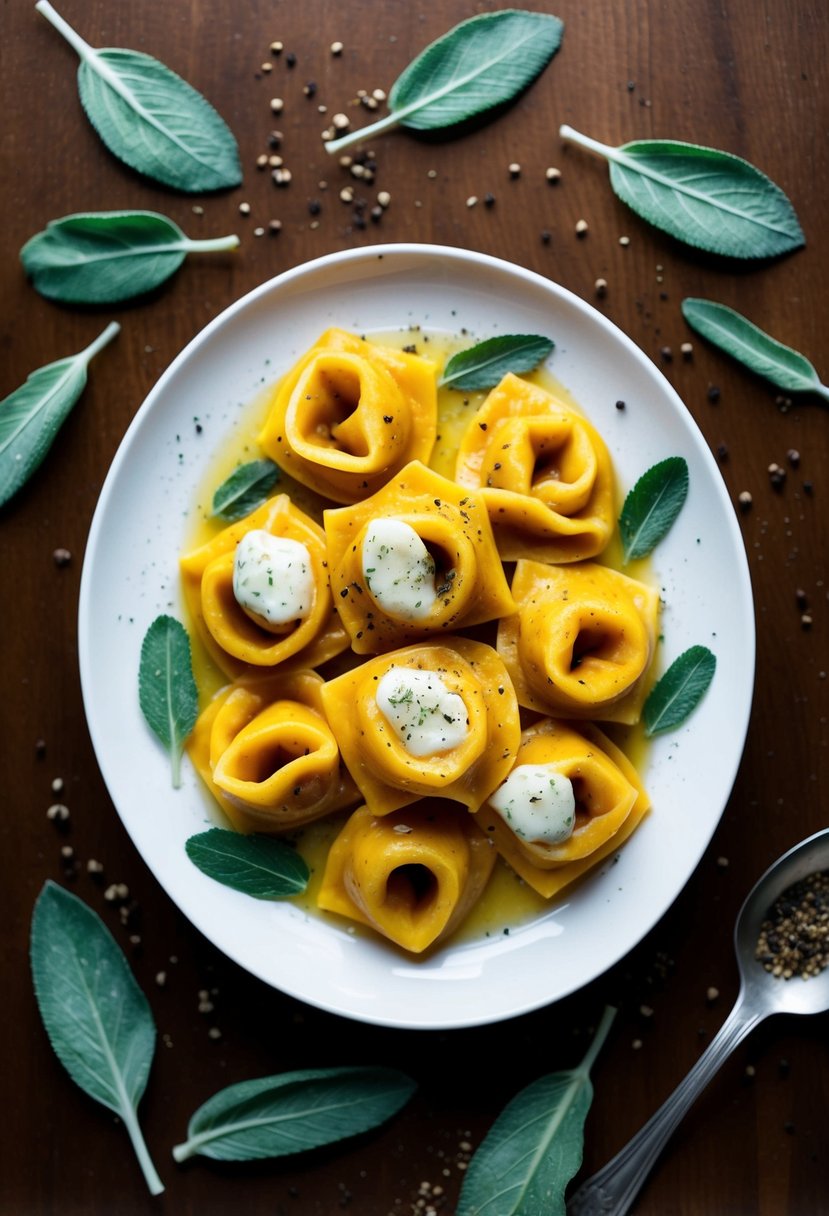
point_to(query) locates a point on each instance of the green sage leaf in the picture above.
(32, 415)
(293, 1112)
(535, 1145)
(484, 365)
(678, 692)
(706, 198)
(150, 118)
(751, 346)
(97, 1018)
(103, 257)
(257, 865)
(484, 62)
(245, 489)
(651, 507)
(167, 690)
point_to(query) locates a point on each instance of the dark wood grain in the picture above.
(748, 76)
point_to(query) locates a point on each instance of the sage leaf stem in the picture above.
(32, 415)
(704, 197)
(97, 1018)
(149, 117)
(535, 1145)
(483, 62)
(293, 1112)
(104, 257)
(753, 347)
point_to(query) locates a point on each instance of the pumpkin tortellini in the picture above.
(416, 558)
(287, 567)
(428, 720)
(581, 642)
(607, 798)
(265, 750)
(385, 673)
(544, 473)
(412, 876)
(350, 414)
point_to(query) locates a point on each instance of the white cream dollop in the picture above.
(273, 580)
(427, 717)
(537, 802)
(398, 569)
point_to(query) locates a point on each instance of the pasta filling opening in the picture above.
(258, 765)
(412, 886)
(334, 405)
(596, 644)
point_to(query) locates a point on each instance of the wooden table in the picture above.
(745, 77)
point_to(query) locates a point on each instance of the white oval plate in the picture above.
(131, 574)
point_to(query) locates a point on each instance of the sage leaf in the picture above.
(150, 118)
(103, 257)
(535, 1145)
(651, 507)
(709, 199)
(257, 865)
(751, 346)
(245, 489)
(32, 415)
(167, 690)
(97, 1018)
(484, 365)
(677, 693)
(293, 1112)
(485, 61)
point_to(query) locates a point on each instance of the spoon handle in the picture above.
(612, 1190)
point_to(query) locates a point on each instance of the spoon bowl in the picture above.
(613, 1188)
(759, 988)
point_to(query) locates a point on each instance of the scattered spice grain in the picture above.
(277, 105)
(581, 228)
(514, 169)
(686, 350)
(244, 208)
(553, 175)
(61, 558)
(336, 48)
(745, 500)
(600, 287)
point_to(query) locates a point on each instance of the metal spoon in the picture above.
(612, 1190)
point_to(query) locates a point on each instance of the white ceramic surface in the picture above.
(130, 575)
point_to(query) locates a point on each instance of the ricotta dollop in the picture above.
(537, 803)
(398, 569)
(273, 581)
(427, 717)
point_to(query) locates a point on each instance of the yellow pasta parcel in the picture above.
(238, 637)
(266, 752)
(350, 414)
(544, 472)
(608, 797)
(582, 641)
(416, 558)
(427, 720)
(412, 876)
